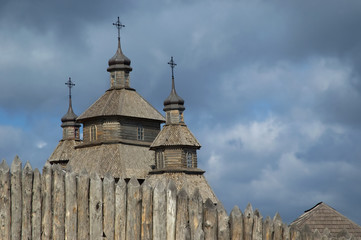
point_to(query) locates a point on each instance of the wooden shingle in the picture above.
(322, 216)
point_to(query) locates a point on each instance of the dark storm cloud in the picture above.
(271, 89)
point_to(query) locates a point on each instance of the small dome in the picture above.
(69, 118)
(119, 61)
(173, 101)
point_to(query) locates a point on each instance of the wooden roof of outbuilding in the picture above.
(122, 102)
(175, 135)
(322, 216)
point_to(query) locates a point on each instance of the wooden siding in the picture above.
(173, 158)
(121, 129)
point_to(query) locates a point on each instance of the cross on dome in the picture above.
(172, 65)
(70, 84)
(119, 26)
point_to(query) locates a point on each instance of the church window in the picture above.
(93, 133)
(189, 156)
(160, 161)
(140, 133)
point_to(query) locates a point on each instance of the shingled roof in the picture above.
(122, 102)
(119, 160)
(322, 216)
(175, 135)
(64, 151)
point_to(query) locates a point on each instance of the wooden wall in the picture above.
(62, 205)
(123, 128)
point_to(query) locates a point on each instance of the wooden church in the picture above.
(122, 135)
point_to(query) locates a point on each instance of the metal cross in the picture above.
(70, 85)
(172, 65)
(118, 25)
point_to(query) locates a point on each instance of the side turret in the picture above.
(175, 146)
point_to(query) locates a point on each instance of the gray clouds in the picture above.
(271, 89)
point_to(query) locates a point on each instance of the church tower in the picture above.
(176, 148)
(118, 128)
(65, 149)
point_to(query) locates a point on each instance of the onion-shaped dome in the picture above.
(173, 101)
(69, 118)
(119, 61)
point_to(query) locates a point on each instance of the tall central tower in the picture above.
(118, 128)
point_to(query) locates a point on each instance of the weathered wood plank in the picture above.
(277, 227)
(159, 211)
(236, 224)
(46, 206)
(171, 192)
(147, 211)
(257, 226)
(134, 204)
(58, 204)
(294, 234)
(108, 206)
(71, 206)
(195, 210)
(120, 209)
(268, 229)
(306, 233)
(210, 220)
(248, 222)
(27, 187)
(83, 206)
(286, 232)
(182, 223)
(5, 204)
(16, 203)
(223, 223)
(95, 207)
(36, 206)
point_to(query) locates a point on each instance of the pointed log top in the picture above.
(182, 193)
(121, 183)
(268, 220)
(326, 232)
(257, 213)
(248, 212)
(171, 186)
(36, 171)
(133, 182)
(68, 168)
(95, 176)
(160, 187)
(16, 165)
(220, 207)
(236, 211)
(146, 184)
(197, 195)
(108, 178)
(71, 174)
(56, 168)
(4, 166)
(84, 172)
(277, 218)
(28, 167)
(47, 167)
(317, 233)
(209, 204)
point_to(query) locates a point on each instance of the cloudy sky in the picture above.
(272, 89)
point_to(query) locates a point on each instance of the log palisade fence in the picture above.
(63, 205)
